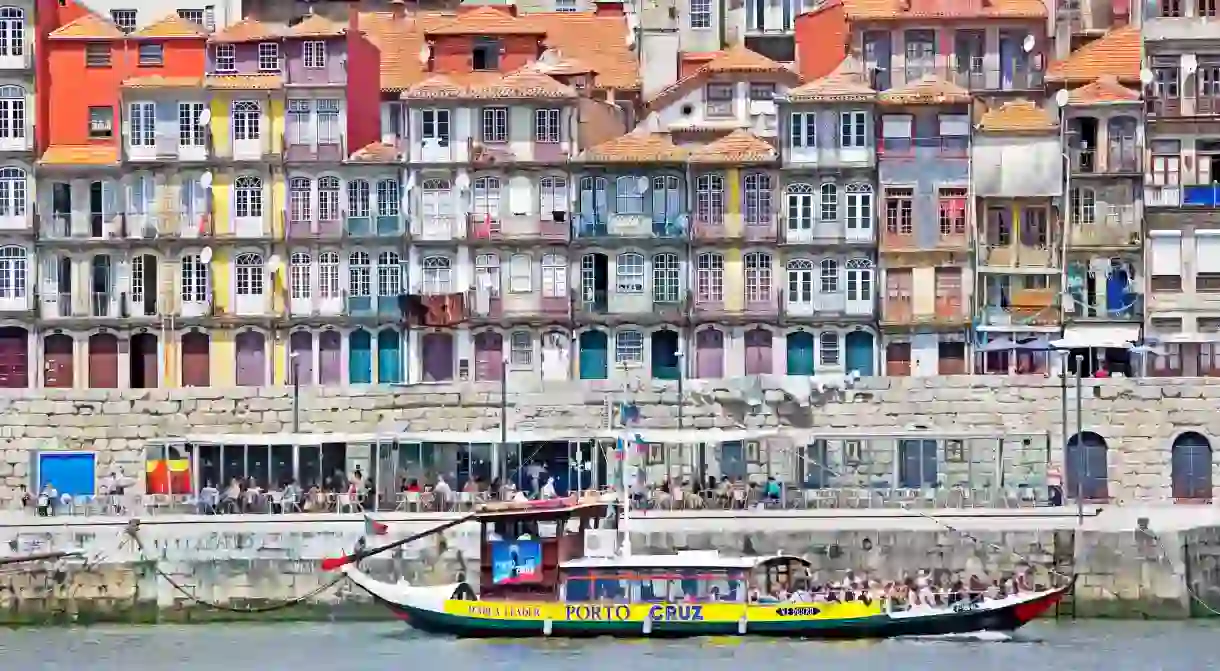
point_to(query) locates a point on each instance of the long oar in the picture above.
(332, 563)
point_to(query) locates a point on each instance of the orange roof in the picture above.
(526, 82)
(162, 82)
(1018, 116)
(736, 60)
(598, 42)
(1115, 53)
(245, 82)
(897, 10)
(487, 20)
(82, 154)
(246, 30)
(316, 25)
(1104, 90)
(636, 147)
(927, 90)
(845, 84)
(89, 26)
(171, 26)
(376, 152)
(740, 146)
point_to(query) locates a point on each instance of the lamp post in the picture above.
(294, 360)
(1080, 460)
(500, 452)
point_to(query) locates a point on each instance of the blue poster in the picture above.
(516, 562)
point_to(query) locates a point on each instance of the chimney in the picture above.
(904, 5)
(353, 20)
(609, 8)
(398, 8)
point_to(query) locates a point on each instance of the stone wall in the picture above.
(1139, 419)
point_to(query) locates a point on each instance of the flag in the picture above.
(374, 528)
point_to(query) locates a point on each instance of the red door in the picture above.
(14, 358)
(58, 352)
(103, 361)
(196, 359)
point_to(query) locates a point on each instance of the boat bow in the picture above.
(402, 595)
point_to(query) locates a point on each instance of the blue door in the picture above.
(360, 357)
(1191, 467)
(1086, 466)
(917, 464)
(860, 353)
(594, 356)
(72, 473)
(733, 460)
(800, 353)
(389, 357)
(665, 355)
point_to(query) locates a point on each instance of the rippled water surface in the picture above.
(384, 647)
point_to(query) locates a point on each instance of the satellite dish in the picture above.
(1029, 43)
(206, 255)
(205, 180)
(274, 263)
(1061, 97)
(1146, 76)
(462, 181)
(641, 184)
(204, 117)
(549, 57)
(425, 53)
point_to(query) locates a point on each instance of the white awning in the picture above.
(1082, 336)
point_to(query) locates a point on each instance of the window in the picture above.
(435, 127)
(709, 278)
(328, 275)
(758, 277)
(952, 212)
(629, 273)
(859, 280)
(762, 92)
(143, 124)
(125, 19)
(437, 271)
(487, 273)
(828, 344)
(300, 269)
(1166, 162)
(804, 130)
(565, 5)
(190, 131)
(709, 199)
(12, 111)
(97, 55)
(495, 124)
(1084, 206)
(718, 100)
(299, 129)
(194, 279)
(249, 274)
(629, 194)
(268, 57)
(701, 14)
(314, 54)
(328, 121)
(248, 196)
(629, 347)
(193, 15)
(520, 274)
(667, 198)
(151, 55)
(552, 196)
(666, 285)
(486, 199)
(829, 276)
(757, 199)
(800, 281)
(829, 201)
(898, 211)
(226, 58)
(328, 198)
(1165, 83)
(360, 275)
(247, 120)
(13, 272)
(859, 208)
(920, 53)
(389, 274)
(593, 205)
(521, 348)
(388, 203)
(800, 207)
(554, 276)
(12, 31)
(853, 129)
(359, 198)
(485, 54)
(300, 199)
(546, 125)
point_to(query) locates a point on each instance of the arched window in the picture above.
(829, 202)
(552, 195)
(195, 282)
(859, 207)
(300, 271)
(800, 281)
(487, 272)
(666, 274)
(629, 194)
(14, 272)
(758, 277)
(520, 274)
(328, 199)
(437, 275)
(709, 277)
(328, 275)
(859, 279)
(436, 205)
(554, 276)
(247, 120)
(486, 199)
(389, 274)
(249, 275)
(248, 196)
(629, 273)
(300, 199)
(359, 197)
(13, 116)
(828, 346)
(359, 275)
(12, 32)
(758, 199)
(388, 199)
(709, 199)
(12, 192)
(800, 207)
(829, 276)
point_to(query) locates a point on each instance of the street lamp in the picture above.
(1080, 461)
(295, 364)
(501, 451)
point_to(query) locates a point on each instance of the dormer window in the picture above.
(268, 57)
(718, 98)
(314, 53)
(226, 58)
(486, 54)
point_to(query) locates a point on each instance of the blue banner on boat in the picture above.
(516, 562)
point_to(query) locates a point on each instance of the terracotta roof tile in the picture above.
(845, 84)
(740, 146)
(245, 82)
(1018, 116)
(171, 26)
(488, 20)
(736, 60)
(316, 25)
(558, 66)
(90, 27)
(928, 90)
(376, 152)
(83, 155)
(636, 147)
(897, 10)
(598, 42)
(162, 82)
(247, 30)
(1115, 53)
(527, 82)
(1104, 90)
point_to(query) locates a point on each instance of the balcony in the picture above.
(1121, 159)
(760, 228)
(103, 304)
(619, 226)
(315, 230)
(833, 157)
(1201, 195)
(764, 305)
(24, 60)
(1129, 307)
(1008, 256)
(522, 228)
(141, 307)
(1163, 196)
(167, 147)
(531, 307)
(908, 149)
(823, 233)
(593, 305)
(1026, 307)
(382, 225)
(948, 311)
(972, 76)
(359, 306)
(821, 305)
(255, 228)
(1117, 230)
(1164, 107)
(447, 228)
(324, 152)
(63, 226)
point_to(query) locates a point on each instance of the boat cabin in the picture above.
(691, 576)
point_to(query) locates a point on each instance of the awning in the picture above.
(1097, 336)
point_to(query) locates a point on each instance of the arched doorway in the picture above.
(196, 359)
(59, 361)
(799, 350)
(555, 354)
(436, 351)
(488, 355)
(103, 361)
(1086, 466)
(1191, 467)
(330, 358)
(360, 357)
(389, 356)
(758, 351)
(251, 349)
(663, 348)
(709, 354)
(14, 358)
(594, 355)
(143, 360)
(300, 358)
(860, 357)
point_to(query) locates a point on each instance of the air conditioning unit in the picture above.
(600, 542)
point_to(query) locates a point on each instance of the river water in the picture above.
(1095, 646)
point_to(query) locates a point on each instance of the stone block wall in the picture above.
(1139, 419)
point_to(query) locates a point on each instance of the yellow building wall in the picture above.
(169, 362)
(222, 192)
(279, 359)
(224, 354)
(923, 291)
(279, 205)
(734, 281)
(222, 144)
(733, 221)
(222, 282)
(275, 108)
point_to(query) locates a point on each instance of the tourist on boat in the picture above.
(548, 489)
(442, 492)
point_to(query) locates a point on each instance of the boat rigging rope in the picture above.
(132, 530)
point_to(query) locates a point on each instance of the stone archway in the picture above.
(1087, 467)
(1191, 468)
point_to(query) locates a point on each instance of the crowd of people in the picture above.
(924, 589)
